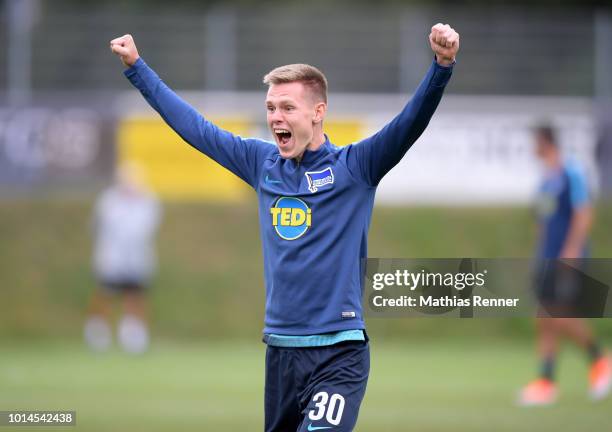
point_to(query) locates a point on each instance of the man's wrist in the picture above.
(133, 64)
(445, 62)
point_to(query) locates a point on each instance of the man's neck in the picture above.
(554, 162)
(317, 141)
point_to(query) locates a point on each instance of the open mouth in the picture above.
(282, 136)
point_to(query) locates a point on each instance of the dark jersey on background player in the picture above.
(563, 204)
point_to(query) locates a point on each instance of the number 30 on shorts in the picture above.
(333, 406)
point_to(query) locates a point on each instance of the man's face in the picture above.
(292, 116)
(544, 150)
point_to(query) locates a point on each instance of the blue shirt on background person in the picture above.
(563, 190)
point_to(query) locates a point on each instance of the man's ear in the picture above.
(319, 112)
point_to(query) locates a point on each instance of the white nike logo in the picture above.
(314, 428)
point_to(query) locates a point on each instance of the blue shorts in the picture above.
(318, 388)
(566, 290)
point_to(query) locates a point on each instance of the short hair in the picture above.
(546, 131)
(309, 76)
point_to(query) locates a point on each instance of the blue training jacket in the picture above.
(314, 215)
(561, 193)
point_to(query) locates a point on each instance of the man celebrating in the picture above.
(315, 205)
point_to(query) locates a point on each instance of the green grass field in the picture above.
(205, 371)
(439, 385)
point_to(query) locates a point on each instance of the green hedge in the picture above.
(210, 282)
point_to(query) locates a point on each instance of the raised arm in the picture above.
(241, 156)
(373, 157)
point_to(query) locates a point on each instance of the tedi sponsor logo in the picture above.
(291, 217)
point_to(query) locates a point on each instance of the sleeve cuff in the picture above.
(450, 66)
(132, 70)
(441, 74)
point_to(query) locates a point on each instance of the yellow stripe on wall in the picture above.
(343, 131)
(174, 169)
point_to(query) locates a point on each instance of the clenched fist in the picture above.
(444, 41)
(125, 48)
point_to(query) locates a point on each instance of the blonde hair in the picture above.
(309, 76)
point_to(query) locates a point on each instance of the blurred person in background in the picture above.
(125, 223)
(565, 215)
